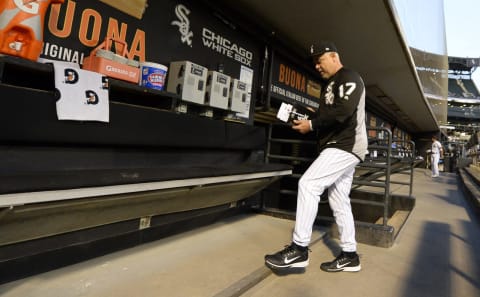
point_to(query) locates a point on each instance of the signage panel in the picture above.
(294, 85)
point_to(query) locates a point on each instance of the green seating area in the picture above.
(462, 88)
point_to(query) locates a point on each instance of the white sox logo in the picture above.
(329, 96)
(183, 24)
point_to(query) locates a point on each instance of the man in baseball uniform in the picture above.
(340, 123)
(437, 152)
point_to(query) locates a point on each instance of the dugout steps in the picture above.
(470, 181)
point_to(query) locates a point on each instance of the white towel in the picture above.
(83, 94)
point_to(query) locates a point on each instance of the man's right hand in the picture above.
(302, 126)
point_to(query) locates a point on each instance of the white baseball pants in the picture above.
(435, 159)
(333, 170)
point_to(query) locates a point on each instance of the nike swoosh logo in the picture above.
(288, 261)
(343, 265)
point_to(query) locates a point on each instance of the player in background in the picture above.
(437, 153)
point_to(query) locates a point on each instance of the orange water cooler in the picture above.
(21, 27)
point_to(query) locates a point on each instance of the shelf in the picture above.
(124, 92)
(40, 76)
(25, 73)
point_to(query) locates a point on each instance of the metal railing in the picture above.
(384, 158)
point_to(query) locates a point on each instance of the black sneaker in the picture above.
(342, 263)
(291, 256)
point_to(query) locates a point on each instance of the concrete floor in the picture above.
(202, 262)
(436, 254)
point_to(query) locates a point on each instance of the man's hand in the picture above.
(302, 126)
